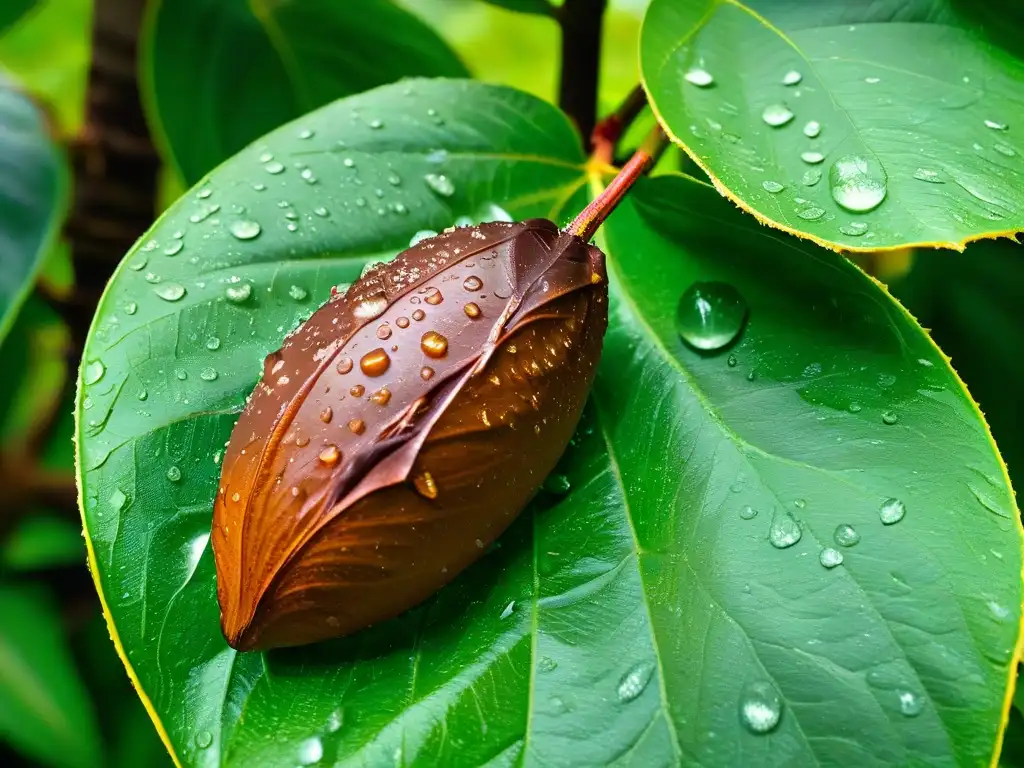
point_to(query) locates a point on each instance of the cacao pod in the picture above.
(402, 428)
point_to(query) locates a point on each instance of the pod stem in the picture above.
(590, 218)
(610, 129)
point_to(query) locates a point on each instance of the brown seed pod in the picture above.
(435, 441)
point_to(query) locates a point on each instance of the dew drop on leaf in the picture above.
(238, 293)
(204, 739)
(557, 484)
(298, 293)
(811, 177)
(995, 125)
(926, 174)
(508, 610)
(118, 500)
(784, 531)
(440, 184)
(273, 167)
(890, 417)
(812, 157)
(846, 535)
(710, 315)
(174, 248)
(213, 343)
(830, 557)
(772, 186)
(244, 229)
(173, 474)
(812, 128)
(792, 78)
(170, 291)
(777, 115)
(858, 183)
(854, 228)
(699, 77)
(911, 704)
(633, 683)
(811, 214)
(94, 372)
(892, 511)
(760, 707)
(208, 374)
(748, 512)
(311, 751)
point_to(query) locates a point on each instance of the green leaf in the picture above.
(918, 99)
(33, 188)
(540, 7)
(44, 711)
(12, 10)
(262, 63)
(617, 622)
(41, 541)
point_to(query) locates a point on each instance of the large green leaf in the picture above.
(219, 73)
(620, 621)
(922, 93)
(44, 711)
(541, 7)
(32, 197)
(12, 10)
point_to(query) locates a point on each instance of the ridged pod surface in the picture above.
(402, 428)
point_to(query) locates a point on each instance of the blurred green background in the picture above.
(65, 699)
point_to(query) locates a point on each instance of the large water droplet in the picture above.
(633, 683)
(311, 751)
(812, 128)
(298, 293)
(811, 177)
(440, 183)
(784, 530)
(375, 362)
(890, 417)
(995, 126)
(846, 535)
(238, 293)
(118, 500)
(434, 344)
(911, 704)
(244, 229)
(420, 236)
(772, 186)
(926, 174)
(699, 77)
(892, 511)
(792, 78)
(204, 739)
(776, 115)
(830, 557)
(208, 374)
(748, 513)
(131, 308)
(854, 228)
(173, 474)
(760, 707)
(710, 315)
(174, 248)
(273, 167)
(858, 183)
(813, 213)
(371, 307)
(94, 372)
(812, 157)
(170, 291)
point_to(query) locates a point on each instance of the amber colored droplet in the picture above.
(433, 297)
(357, 426)
(302, 441)
(425, 485)
(434, 344)
(326, 415)
(402, 322)
(357, 390)
(384, 331)
(330, 455)
(345, 365)
(472, 310)
(472, 283)
(381, 396)
(426, 373)
(418, 315)
(375, 362)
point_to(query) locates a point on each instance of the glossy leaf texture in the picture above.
(33, 188)
(637, 605)
(12, 11)
(44, 710)
(217, 74)
(863, 125)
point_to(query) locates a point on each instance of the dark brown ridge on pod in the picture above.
(323, 527)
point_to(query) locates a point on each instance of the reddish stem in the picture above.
(610, 129)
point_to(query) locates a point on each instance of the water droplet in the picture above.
(911, 704)
(846, 535)
(377, 124)
(305, 133)
(440, 184)
(635, 681)
(259, 187)
(330, 455)
(326, 415)
(375, 362)
(311, 751)
(208, 374)
(418, 314)
(357, 426)
(427, 488)
(383, 331)
(812, 128)
(238, 293)
(892, 511)
(710, 315)
(772, 186)
(792, 78)
(760, 707)
(244, 229)
(812, 157)
(174, 248)
(420, 236)
(776, 115)
(784, 531)
(872, 80)
(94, 372)
(811, 214)
(925, 174)
(180, 374)
(995, 126)
(748, 513)
(344, 365)
(434, 344)
(118, 500)
(472, 310)
(858, 183)
(433, 297)
(371, 307)
(174, 474)
(170, 291)
(557, 484)
(830, 557)
(699, 77)
(1005, 150)
(204, 739)
(854, 228)
(381, 396)
(142, 394)
(546, 664)
(213, 343)
(811, 177)
(335, 720)
(307, 176)
(298, 293)
(890, 417)
(321, 212)
(273, 167)
(473, 283)
(131, 308)
(204, 193)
